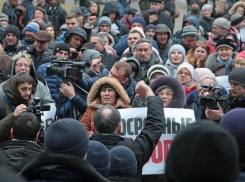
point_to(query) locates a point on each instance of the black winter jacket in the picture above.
(146, 141)
(20, 152)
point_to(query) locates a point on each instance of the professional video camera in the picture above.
(72, 70)
(210, 100)
(37, 109)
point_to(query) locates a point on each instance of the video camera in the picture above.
(72, 70)
(36, 108)
(212, 98)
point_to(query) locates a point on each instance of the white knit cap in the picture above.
(187, 66)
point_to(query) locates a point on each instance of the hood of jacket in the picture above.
(79, 31)
(90, 55)
(133, 59)
(111, 7)
(10, 89)
(179, 92)
(94, 1)
(94, 101)
(193, 20)
(110, 37)
(32, 70)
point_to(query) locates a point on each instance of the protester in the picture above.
(39, 16)
(53, 32)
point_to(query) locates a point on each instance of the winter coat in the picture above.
(124, 21)
(8, 8)
(143, 70)
(94, 101)
(37, 58)
(172, 68)
(164, 17)
(123, 44)
(145, 142)
(20, 152)
(57, 16)
(54, 83)
(123, 7)
(109, 59)
(87, 84)
(207, 24)
(49, 51)
(42, 91)
(223, 15)
(49, 167)
(25, 41)
(233, 102)
(45, 22)
(5, 64)
(217, 68)
(30, 8)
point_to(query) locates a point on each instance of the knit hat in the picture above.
(111, 48)
(12, 29)
(189, 31)
(138, 29)
(236, 19)
(157, 69)
(2, 31)
(66, 136)
(202, 72)
(214, 157)
(138, 19)
(150, 26)
(61, 47)
(42, 36)
(227, 43)
(176, 47)
(98, 156)
(222, 23)
(241, 54)
(233, 121)
(196, 1)
(104, 20)
(123, 161)
(189, 67)
(33, 27)
(207, 6)
(3, 16)
(237, 75)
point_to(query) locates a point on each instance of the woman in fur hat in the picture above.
(198, 55)
(104, 91)
(170, 90)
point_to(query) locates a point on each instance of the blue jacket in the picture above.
(87, 84)
(54, 83)
(123, 44)
(123, 7)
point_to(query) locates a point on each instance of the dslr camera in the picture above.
(214, 95)
(65, 69)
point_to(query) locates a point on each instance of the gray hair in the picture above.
(100, 37)
(143, 40)
(107, 119)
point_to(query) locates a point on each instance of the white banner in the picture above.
(48, 117)
(132, 121)
(223, 81)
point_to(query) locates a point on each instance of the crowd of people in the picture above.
(90, 62)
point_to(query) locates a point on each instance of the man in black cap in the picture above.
(11, 40)
(42, 40)
(235, 99)
(195, 10)
(127, 18)
(164, 16)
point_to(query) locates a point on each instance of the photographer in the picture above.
(18, 90)
(235, 99)
(23, 148)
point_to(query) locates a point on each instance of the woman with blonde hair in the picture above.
(197, 56)
(238, 7)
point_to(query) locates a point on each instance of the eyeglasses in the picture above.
(168, 94)
(185, 73)
(21, 65)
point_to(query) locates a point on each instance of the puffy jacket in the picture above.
(30, 8)
(20, 152)
(8, 8)
(123, 7)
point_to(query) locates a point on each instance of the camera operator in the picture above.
(235, 99)
(18, 90)
(61, 50)
(23, 148)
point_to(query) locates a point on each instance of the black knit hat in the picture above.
(196, 1)
(237, 75)
(203, 152)
(236, 19)
(66, 136)
(227, 43)
(12, 29)
(61, 47)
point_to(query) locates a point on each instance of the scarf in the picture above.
(222, 62)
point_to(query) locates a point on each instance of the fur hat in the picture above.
(98, 156)
(237, 75)
(67, 136)
(175, 85)
(214, 157)
(123, 161)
